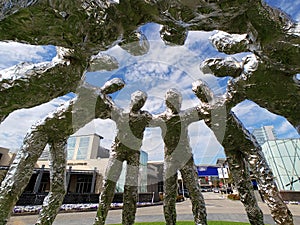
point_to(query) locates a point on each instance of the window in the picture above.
(45, 183)
(84, 184)
(83, 148)
(160, 186)
(283, 158)
(71, 147)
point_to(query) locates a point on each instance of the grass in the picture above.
(192, 223)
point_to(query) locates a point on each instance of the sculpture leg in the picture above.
(190, 178)
(114, 170)
(20, 172)
(279, 210)
(241, 176)
(260, 168)
(131, 189)
(235, 144)
(170, 191)
(54, 199)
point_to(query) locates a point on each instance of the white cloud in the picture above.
(284, 127)
(13, 53)
(253, 116)
(14, 128)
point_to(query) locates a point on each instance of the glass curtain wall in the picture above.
(83, 148)
(283, 156)
(71, 147)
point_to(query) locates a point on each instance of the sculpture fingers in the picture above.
(112, 86)
(102, 61)
(229, 66)
(202, 91)
(135, 43)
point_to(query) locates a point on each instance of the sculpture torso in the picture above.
(175, 131)
(130, 129)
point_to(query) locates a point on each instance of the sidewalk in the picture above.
(218, 208)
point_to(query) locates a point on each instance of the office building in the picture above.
(283, 157)
(6, 159)
(87, 161)
(263, 134)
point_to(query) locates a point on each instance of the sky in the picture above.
(163, 67)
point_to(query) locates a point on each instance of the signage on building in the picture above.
(204, 171)
(223, 173)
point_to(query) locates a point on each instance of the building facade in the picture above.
(155, 178)
(87, 161)
(6, 159)
(283, 156)
(263, 134)
(142, 178)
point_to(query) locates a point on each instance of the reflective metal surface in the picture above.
(127, 145)
(53, 130)
(80, 29)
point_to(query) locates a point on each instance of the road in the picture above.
(218, 208)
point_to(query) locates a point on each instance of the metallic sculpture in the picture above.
(178, 156)
(54, 129)
(266, 180)
(127, 145)
(235, 154)
(83, 28)
(240, 150)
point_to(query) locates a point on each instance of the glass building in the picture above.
(143, 173)
(84, 156)
(83, 147)
(283, 156)
(142, 179)
(263, 134)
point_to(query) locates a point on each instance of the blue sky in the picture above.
(163, 67)
(290, 7)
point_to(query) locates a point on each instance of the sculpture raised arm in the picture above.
(30, 84)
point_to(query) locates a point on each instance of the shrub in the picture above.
(234, 196)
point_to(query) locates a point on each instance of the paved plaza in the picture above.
(218, 208)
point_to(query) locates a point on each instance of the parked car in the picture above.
(226, 190)
(216, 190)
(206, 189)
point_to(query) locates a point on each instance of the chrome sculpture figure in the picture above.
(130, 131)
(53, 130)
(241, 148)
(178, 156)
